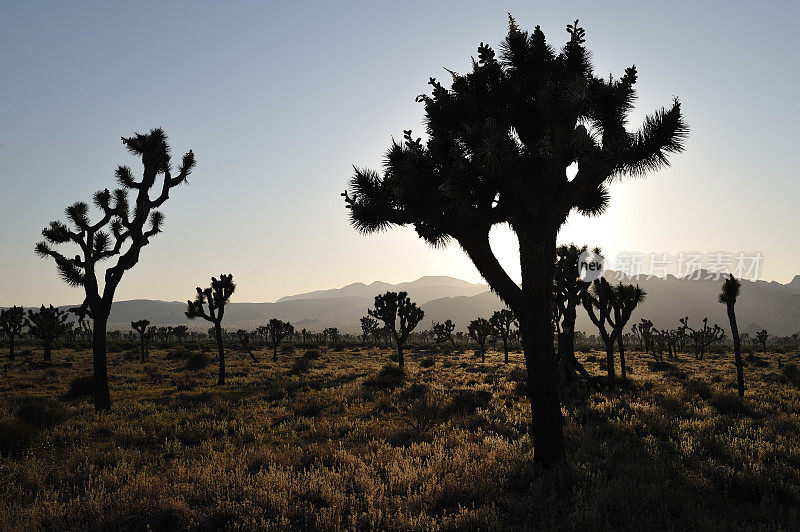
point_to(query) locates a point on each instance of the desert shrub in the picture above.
(311, 354)
(41, 412)
(25, 353)
(467, 401)
(700, 389)
(427, 362)
(197, 361)
(308, 405)
(131, 355)
(81, 387)
(756, 361)
(178, 353)
(394, 358)
(390, 376)
(730, 404)
(301, 365)
(422, 408)
(15, 437)
(287, 349)
(519, 376)
(660, 366)
(792, 373)
(337, 347)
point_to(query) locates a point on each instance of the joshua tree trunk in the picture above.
(400, 354)
(102, 398)
(737, 350)
(568, 364)
(221, 350)
(275, 351)
(612, 373)
(11, 348)
(142, 348)
(48, 350)
(537, 260)
(622, 370)
(505, 348)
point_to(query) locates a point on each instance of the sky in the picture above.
(278, 101)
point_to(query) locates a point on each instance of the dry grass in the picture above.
(284, 446)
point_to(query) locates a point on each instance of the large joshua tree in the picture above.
(278, 330)
(728, 296)
(392, 307)
(120, 232)
(47, 324)
(500, 141)
(12, 320)
(501, 322)
(215, 298)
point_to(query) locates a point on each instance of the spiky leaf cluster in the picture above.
(12, 320)
(48, 323)
(122, 228)
(501, 137)
(214, 298)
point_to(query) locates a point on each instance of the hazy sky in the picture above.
(279, 101)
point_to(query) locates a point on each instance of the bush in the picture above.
(131, 355)
(730, 404)
(427, 362)
(15, 437)
(41, 412)
(81, 387)
(178, 353)
(466, 401)
(792, 373)
(197, 361)
(301, 365)
(311, 354)
(390, 376)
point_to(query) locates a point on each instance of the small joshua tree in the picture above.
(244, 342)
(278, 330)
(141, 328)
(568, 291)
(444, 332)
(501, 322)
(47, 324)
(331, 335)
(368, 326)
(215, 298)
(480, 330)
(180, 332)
(393, 306)
(120, 232)
(761, 338)
(12, 320)
(612, 306)
(728, 296)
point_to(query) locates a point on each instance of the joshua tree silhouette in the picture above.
(180, 332)
(568, 290)
(215, 297)
(129, 229)
(728, 296)
(500, 141)
(12, 320)
(391, 306)
(141, 328)
(47, 324)
(368, 326)
(612, 305)
(331, 334)
(278, 330)
(444, 332)
(501, 322)
(761, 338)
(480, 330)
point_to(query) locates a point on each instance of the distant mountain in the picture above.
(762, 305)
(422, 290)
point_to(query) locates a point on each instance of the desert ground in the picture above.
(339, 438)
